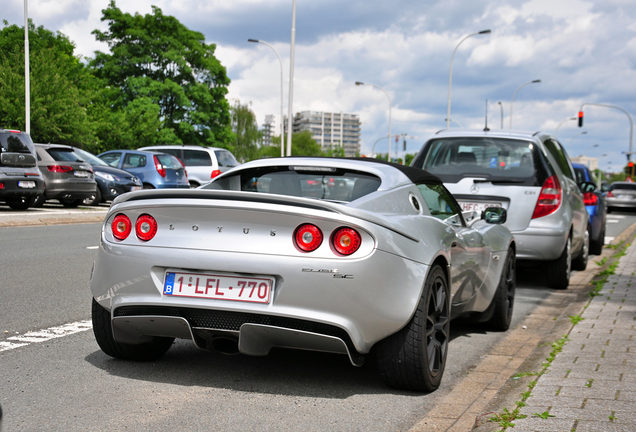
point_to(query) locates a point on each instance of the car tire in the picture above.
(148, 186)
(193, 184)
(21, 203)
(102, 328)
(414, 358)
(504, 299)
(559, 270)
(70, 203)
(580, 262)
(94, 200)
(596, 246)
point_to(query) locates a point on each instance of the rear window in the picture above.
(15, 143)
(225, 158)
(497, 159)
(324, 183)
(169, 161)
(64, 155)
(624, 186)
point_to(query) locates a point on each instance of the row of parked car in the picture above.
(31, 174)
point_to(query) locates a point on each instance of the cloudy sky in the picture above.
(582, 51)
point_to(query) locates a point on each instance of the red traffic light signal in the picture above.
(580, 118)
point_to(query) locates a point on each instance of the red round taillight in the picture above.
(346, 241)
(121, 227)
(308, 237)
(146, 227)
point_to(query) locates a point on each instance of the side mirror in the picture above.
(587, 186)
(495, 215)
(605, 187)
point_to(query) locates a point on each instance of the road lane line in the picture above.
(45, 334)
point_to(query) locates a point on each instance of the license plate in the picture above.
(26, 184)
(218, 287)
(82, 174)
(136, 188)
(478, 206)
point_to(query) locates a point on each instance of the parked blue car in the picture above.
(595, 205)
(155, 170)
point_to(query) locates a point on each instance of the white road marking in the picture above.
(92, 247)
(45, 335)
(616, 216)
(608, 240)
(612, 221)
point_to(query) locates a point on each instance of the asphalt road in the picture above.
(60, 380)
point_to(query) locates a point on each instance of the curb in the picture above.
(489, 387)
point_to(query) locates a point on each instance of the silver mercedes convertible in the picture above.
(346, 256)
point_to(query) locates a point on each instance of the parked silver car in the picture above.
(254, 260)
(67, 177)
(531, 176)
(621, 195)
(203, 163)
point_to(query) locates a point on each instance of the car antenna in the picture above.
(486, 128)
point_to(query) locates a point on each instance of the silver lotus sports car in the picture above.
(324, 254)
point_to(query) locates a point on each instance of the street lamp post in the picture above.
(502, 114)
(570, 143)
(515, 94)
(450, 74)
(563, 121)
(27, 80)
(358, 83)
(282, 126)
(291, 80)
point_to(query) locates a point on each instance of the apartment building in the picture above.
(331, 130)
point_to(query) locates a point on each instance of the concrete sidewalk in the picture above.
(591, 384)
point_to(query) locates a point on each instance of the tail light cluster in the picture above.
(344, 240)
(215, 173)
(549, 198)
(60, 168)
(145, 227)
(590, 199)
(159, 167)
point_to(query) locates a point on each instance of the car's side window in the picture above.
(132, 160)
(560, 156)
(440, 202)
(197, 158)
(111, 159)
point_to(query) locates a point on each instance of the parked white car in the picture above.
(203, 163)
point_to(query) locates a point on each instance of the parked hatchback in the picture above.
(111, 182)
(528, 174)
(20, 180)
(155, 170)
(68, 178)
(202, 163)
(595, 206)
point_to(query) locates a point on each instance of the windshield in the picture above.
(494, 159)
(91, 159)
(323, 183)
(14, 143)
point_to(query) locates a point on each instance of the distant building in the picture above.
(267, 130)
(330, 130)
(590, 162)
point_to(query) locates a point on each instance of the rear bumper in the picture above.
(78, 191)
(10, 188)
(539, 243)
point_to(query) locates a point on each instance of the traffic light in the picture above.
(580, 118)
(629, 169)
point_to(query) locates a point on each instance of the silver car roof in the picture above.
(391, 175)
(496, 133)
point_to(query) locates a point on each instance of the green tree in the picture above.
(59, 86)
(156, 57)
(246, 133)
